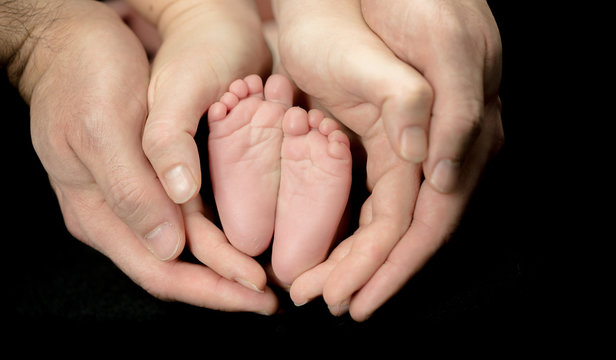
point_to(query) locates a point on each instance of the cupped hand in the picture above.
(86, 80)
(355, 76)
(456, 46)
(205, 46)
(372, 265)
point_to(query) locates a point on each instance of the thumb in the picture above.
(133, 193)
(178, 98)
(456, 123)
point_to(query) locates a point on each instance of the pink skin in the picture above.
(314, 189)
(244, 149)
(295, 187)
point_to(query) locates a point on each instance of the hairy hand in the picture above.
(86, 79)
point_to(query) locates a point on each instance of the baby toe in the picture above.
(295, 122)
(315, 118)
(254, 85)
(239, 88)
(217, 112)
(230, 100)
(339, 145)
(327, 126)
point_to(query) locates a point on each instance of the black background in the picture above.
(499, 280)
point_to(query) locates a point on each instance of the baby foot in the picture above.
(314, 189)
(244, 150)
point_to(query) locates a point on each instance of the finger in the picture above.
(210, 246)
(456, 119)
(111, 151)
(406, 118)
(388, 88)
(193, 67)
(178, 97)
(198, 285)
(436, 216)
(392, 205)
(309, 285)
(194, 284)
(405, 98)
(416, 247)
(402, 93)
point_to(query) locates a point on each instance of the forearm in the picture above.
(33, 33)
(21, 22)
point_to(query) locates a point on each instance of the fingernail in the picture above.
(339, 309)
(445, 175)
(414, 144)
(180, 184)
(163, 241)
(247, 284)
(264, 313)
(300, 303)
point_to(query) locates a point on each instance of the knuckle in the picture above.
(469, 119)
(499, 141)
(372, 251)
(71, 221)
(155, 136)
(157, 139)
(472, 127)
(89, 132)
(127, 198)
(73, 225)
(421, 92)
(93, 134)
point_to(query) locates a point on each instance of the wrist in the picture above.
(165, 15)
(20, 21)
(43, 30)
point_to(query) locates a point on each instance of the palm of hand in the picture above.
(360, 80)
(88, 97)
(78, 107)
(340, 75)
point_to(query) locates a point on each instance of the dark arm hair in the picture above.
(21, 24)
(15, 20)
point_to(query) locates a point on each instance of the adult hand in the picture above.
(205, 46)
(372, 265)
(356, 77)
(456, 47)
(85, 76)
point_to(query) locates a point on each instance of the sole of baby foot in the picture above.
(314, 188)
(244, 146)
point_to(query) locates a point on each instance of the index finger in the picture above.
(173, 280)
(396, 183)
(436, 216)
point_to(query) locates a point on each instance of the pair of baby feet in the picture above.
(277, 171)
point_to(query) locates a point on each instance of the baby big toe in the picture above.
(295, 122)
(279, 89)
